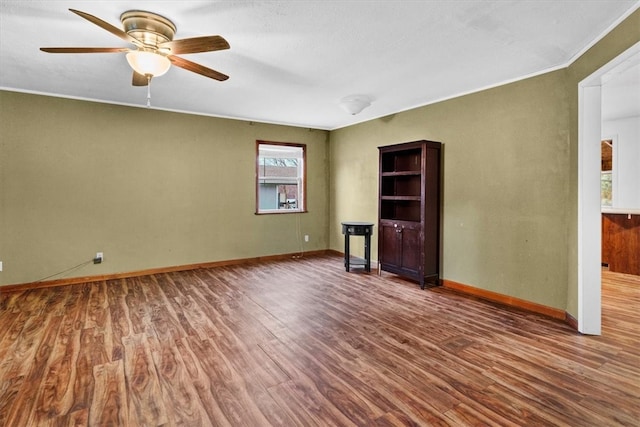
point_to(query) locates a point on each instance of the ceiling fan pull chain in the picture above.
(148, 90)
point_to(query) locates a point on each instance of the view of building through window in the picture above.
(280, 177)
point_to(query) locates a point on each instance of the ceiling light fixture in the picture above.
(148, 63)
(354, 104)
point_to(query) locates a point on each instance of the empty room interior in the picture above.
(355, 213)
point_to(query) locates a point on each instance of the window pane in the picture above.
(280, 177)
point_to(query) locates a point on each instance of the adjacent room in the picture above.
(180, 182)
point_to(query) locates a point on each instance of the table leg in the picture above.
(346, 251)
(367, 252)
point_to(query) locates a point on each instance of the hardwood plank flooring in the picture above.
(304, 343)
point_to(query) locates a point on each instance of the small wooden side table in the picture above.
(357, 229)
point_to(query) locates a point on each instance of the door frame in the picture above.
(589, 211)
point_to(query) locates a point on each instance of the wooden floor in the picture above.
(303, 343)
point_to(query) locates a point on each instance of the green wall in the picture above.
(510, 178)
(148, 188)
(505, 183)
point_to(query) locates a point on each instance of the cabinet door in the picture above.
(389, 244)
(400, 246)
(411, 247)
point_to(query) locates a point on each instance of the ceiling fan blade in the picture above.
(139, 79)
(84, 49)
(195, 45)
(105, 25)
(197, 68)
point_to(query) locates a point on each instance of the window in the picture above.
(606, 172)
(280, 177)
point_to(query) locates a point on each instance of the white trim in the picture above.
(459, 94)
(589, 232)
(248, 120)
(620, 211)
(589, 209)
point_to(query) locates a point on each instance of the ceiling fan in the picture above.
(155, 50)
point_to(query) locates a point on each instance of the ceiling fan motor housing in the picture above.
(150, 28)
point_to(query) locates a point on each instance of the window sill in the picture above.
(281, 211)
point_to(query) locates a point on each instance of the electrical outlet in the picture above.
(306, 237)
(0, 265)
(99, 257)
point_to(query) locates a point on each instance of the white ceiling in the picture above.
(291, 62)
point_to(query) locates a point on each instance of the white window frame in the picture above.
(269, 149)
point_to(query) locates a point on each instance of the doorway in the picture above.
(589, 202)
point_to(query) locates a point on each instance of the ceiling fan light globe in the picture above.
(148, 63)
